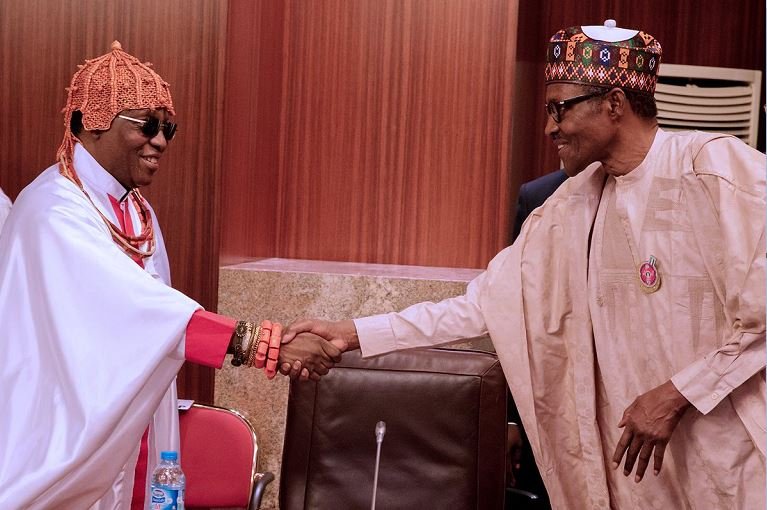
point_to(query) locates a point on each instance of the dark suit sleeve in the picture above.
(533, 194)
(522, 211)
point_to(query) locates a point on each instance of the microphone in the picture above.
(380, 431)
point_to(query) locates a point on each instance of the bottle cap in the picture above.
(169, 455)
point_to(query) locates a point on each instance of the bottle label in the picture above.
(165, 498)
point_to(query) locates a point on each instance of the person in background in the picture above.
(629, 315)
(5, 208)
(93, 334)
(533, 194)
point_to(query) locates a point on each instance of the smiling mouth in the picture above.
(152, 161)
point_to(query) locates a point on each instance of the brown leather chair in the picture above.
(444, 447)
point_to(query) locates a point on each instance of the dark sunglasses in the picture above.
(557, 108)
(151, 126)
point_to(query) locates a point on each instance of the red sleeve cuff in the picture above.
(207, 338)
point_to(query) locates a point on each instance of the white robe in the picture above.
(91, 344)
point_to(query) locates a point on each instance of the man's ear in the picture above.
(616, 103)
(90, 135)
(90, 139)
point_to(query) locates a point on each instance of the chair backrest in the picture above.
(715, 99)
(445, 415)
(219, 455)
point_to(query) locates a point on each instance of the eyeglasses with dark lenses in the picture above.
(151, 126)
(557, 108)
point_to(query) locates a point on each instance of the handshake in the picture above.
(311, 347)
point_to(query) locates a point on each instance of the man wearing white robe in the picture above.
(92, 333)
(629, 316)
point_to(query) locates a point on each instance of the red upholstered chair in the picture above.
(219, 456)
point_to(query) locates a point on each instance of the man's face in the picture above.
(583, 133)
(127, 153)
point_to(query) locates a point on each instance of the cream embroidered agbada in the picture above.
(579, 340)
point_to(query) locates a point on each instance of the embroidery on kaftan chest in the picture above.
(686, 303)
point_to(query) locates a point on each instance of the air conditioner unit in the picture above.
(715, 99)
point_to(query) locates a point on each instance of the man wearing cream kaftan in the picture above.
(579, 340)
(665, 369)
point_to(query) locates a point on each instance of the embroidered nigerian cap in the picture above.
(604, 56)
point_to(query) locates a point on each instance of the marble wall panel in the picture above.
(284, 290)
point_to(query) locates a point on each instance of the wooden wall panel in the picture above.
(252, 108)
(394, 133)
(42, 41)
(358, 130)
(713, 33)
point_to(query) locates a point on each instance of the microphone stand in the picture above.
(380, 431)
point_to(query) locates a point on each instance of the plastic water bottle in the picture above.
(168, 484)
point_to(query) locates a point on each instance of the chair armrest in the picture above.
(259, 486)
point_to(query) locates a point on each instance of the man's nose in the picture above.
(158, 141)
(551, 126)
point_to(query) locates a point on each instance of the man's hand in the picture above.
(340, 334)
(649, 422)
(311, 352)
